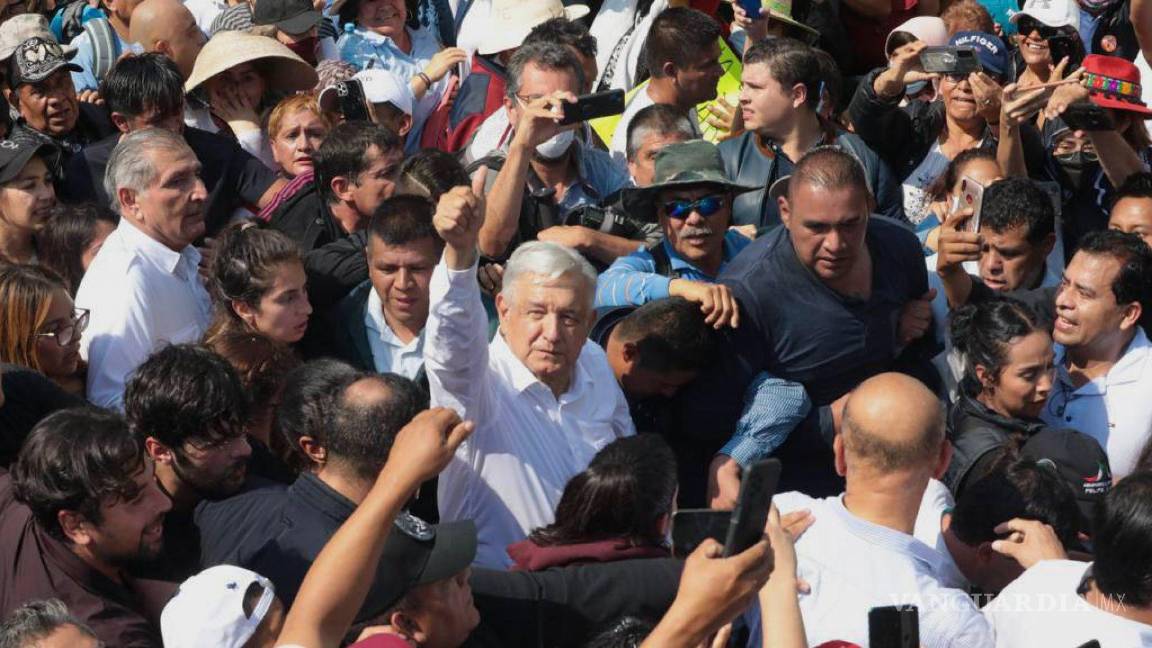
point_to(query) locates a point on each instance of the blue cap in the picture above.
(991, 51)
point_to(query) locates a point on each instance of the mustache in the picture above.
(691, 230)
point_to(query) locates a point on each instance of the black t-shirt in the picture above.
(233, 177)
(28, 397)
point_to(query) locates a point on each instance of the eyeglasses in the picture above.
(705, 206)
(1026, 25)
(70, 332)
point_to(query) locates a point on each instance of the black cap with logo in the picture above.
(15, 154)
(1079, 460)
(37, 59)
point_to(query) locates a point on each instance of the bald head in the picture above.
(369, 413)
(167, 27)
(892, 422)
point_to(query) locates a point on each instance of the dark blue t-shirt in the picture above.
(799, 329)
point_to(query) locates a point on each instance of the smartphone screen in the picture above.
(894, 626)
(971, 196)
(591, 106)
(690, 527)
(751, 512)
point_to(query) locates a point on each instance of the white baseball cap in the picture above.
(208, 609)
(18, 29)
(510, 21)
(1054, 13)
(380, 86)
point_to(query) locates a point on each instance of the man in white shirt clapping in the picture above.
(142, 288)
(860, 552)
(543, 396)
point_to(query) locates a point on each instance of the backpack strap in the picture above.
(663, 261)
(105, 46)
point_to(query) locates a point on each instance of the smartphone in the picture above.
(1063, 45)
(971, 195)
(690, 527)
(751, 513)
(894, 626)
(950, 60)
(353, 103)
(591, 106)
(751, 7)
(1087, 116)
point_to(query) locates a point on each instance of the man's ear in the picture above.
(313, 450)
(669, 69)
(405, 125)
(13, 98)
(838, 452)
(799, 95)
(1132, 313)
(503, 306)
(630, 352)
(1047, 244)
(120, 121)
(76, 527)
(407, 626)
(341, 188)
(785, 210)
(159, 452)
(128, 206)
(943, 460)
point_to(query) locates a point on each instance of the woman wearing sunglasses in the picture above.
(1046, 34)
(40, 327)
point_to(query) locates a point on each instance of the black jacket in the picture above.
(903, 136)
(563, 607)
(976, 431)
(334, 260)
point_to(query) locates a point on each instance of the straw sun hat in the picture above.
(285, 71)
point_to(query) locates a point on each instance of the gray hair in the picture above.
(550, 261)
(657, 119)
(131, 165)
(549, 56)
(36, 620)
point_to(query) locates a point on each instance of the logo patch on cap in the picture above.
(1100, 483)
(414, 527)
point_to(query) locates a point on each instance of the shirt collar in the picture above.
(679, 263)
(521, 378)
(1129, 368)
(159, 254)
(374, 321)
(891, 539)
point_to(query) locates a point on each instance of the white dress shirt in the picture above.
(142, 296)
(389, 354)
(1042, 608)
(508, 477)
(1114, 409)
(854, 565)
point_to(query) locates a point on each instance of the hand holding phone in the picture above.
(751, 513)
(591, 106)
(950, 60)
(971, 197)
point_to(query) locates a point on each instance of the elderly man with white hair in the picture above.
(142, 289)
(542, 395)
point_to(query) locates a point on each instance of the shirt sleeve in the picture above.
(631, 281)
(773, 407)
(250, 177)
(456, 342)
(120, 342)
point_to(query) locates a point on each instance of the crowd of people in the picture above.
(333, 323)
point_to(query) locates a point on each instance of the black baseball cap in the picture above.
(417, 553)
(289, 16)
(38, 58)
(15, 154)
(1079, 460)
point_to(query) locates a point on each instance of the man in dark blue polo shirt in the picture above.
(830, 299)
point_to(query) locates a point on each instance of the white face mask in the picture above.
(557, 145)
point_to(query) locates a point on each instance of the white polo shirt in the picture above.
(1042, 608)
(1115, 409)
(509, 475)
(854, 565)
(142, 296)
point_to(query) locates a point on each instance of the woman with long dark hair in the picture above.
(71, 238)
(620, 507)
(1008, 373)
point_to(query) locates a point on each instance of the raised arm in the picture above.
(539, 121)
(456, 334)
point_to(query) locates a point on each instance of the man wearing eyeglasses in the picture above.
(692, 199)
